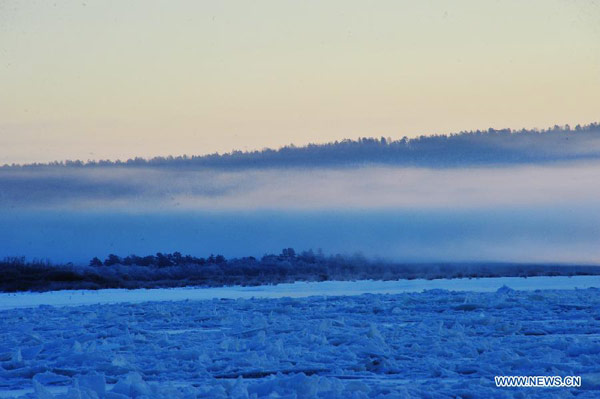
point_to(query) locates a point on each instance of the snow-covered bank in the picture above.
(294, 290)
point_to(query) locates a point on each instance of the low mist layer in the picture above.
(518, 235)
(543, 212)
(369, 187)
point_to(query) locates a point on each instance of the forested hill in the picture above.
(461, 149)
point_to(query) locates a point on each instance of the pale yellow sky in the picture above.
(113, 79)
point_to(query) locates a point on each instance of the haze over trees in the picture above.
(175, 270)
(504, 146)
(520, 203)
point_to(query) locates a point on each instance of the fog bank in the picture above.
(516, 235)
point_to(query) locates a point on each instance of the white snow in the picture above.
(293, 290)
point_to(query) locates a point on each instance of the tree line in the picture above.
(464, 148)
(177, 259)
(18, 274)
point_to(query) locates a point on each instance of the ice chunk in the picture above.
(40, 391)
(504, 290)
(132, 385)
(49, 378)
(238, 390)
(31, 352)
(93, 382)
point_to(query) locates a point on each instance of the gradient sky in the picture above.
(117, 79)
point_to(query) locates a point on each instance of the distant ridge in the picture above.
(505, 146)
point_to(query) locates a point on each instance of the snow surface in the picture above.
(293, 290)
(432, 344)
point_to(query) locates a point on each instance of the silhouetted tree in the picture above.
(220, 259)
(112, 260)
(176, 258)
(162, 260)
(95, 262)
(288, 253)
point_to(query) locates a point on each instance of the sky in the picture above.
(114, 80)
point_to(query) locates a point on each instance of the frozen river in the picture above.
(418, 339)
